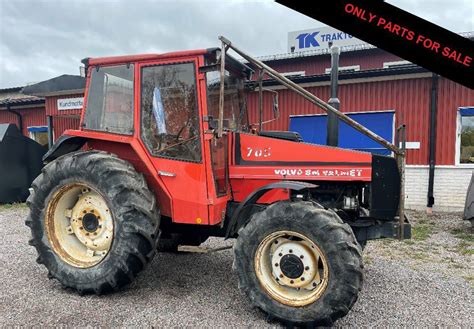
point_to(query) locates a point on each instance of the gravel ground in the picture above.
(425, 282)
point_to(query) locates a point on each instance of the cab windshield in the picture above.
(235, 114)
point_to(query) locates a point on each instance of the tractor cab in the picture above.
(168, 105)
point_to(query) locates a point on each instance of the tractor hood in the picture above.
(270, 158)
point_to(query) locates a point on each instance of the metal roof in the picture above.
(13, 96)
(59, 85)
(31, 100)
(10, 89)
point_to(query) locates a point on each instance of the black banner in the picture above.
(398, 32)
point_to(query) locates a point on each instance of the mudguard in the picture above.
(64, 145)
(239, 219)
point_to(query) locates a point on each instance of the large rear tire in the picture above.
(94, 222)
(299, 263)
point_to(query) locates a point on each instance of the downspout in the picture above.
(20, 118)
(432, 152)
(332, 130)
(49, 119)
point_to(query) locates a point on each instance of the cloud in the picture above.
(41, 39)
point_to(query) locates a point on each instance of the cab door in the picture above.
(171, 131)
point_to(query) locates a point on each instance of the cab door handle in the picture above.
(166, 173)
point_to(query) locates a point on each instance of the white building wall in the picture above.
(450, 187)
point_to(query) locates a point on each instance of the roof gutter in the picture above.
(18, 115)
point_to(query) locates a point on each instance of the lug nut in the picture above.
(84, 212)
(292, 281)
(314, 284)
(276, 241)
(302, 279)
(280, 254)
(301, 256)
(281, 276)
(307, 268)
(276, 264)
(291, 251)
(81, 228)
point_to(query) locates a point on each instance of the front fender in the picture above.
(239, 219)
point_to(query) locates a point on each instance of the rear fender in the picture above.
(64, 145)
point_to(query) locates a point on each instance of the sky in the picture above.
(41, 39)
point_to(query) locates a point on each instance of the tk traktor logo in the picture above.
(307, 40)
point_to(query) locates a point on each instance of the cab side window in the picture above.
(169, 113)
(110, 101)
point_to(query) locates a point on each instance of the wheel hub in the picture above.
(294, 265)
(291, 266)
(79, 225)
(90, 222)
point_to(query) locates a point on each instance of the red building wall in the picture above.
(34, 116)
(451, 96)
(62, 119)
(367, 59)
(410, 98)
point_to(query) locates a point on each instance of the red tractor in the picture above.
(165, 156)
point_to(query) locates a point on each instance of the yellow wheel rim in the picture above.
(79, 225)
(291, 268)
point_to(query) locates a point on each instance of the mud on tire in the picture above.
(134, 213)
(337, 243)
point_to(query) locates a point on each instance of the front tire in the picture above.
(299, 263)
(93, 220)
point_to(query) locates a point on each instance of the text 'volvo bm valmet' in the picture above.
(166, 156)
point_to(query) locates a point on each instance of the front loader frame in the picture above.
(265, 69)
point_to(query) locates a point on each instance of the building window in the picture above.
(351, 68)
(466, 136)
(294, 74)
(397, 64)
(39, 134)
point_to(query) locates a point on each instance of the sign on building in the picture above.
(319, 38)
(70, 103)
